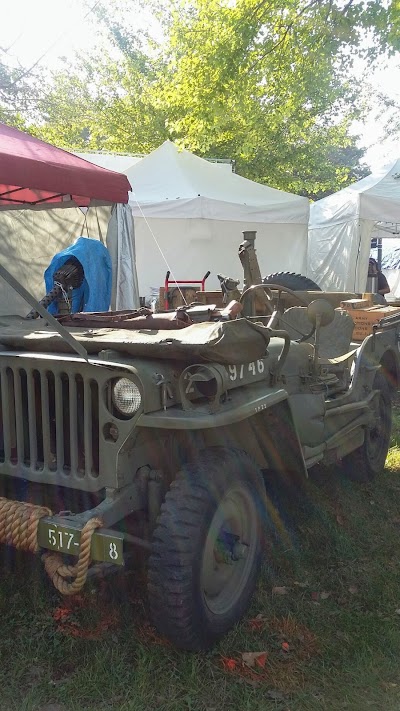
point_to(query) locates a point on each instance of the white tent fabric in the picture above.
(391, 260)
(121, 245)
(189, 216)
(172, 183)
(112, 161)
(341, 227)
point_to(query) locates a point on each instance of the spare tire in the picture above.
(295, 282)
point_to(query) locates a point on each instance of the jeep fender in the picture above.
(263, 426)
(379, 350)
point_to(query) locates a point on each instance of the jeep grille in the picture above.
(49, 426)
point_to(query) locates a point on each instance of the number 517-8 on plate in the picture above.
(106, 545)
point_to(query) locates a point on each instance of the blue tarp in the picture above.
(95, 292)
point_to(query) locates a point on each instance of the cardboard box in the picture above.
(355, 304)
(364, 319)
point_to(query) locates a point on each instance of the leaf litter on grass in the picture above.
(280, 666)
(86, 615)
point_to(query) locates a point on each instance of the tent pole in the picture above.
(379, 246)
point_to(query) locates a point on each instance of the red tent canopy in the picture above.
(33, 172)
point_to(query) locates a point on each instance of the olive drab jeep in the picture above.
(155, 431)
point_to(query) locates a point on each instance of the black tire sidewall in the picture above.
(295, 282)
(210, 478)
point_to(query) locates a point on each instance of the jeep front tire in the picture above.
(206, 549)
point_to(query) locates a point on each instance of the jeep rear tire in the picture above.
(366, 462)
(206, 549)
(295, 282)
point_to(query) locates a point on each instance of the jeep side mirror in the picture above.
(320, 312)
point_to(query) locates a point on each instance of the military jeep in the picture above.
(155, 432)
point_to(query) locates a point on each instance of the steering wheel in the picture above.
(270, 298)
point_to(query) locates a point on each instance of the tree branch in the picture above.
(289, 27)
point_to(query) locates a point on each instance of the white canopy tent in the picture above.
(341, 227)
(390, 256)
(189, 215)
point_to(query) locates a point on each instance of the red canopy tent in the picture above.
(35, 173)
(36, 178)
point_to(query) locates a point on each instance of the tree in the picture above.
(264, 82)
(268, 84)
(107, 100)
(394, 25)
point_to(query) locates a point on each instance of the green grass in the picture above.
(339, 617)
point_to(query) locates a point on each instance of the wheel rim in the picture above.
(230, 550)
(377, 434)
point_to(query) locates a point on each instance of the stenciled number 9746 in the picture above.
(238, 372)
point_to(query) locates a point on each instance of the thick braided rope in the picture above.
(19, 523)
(58, 572)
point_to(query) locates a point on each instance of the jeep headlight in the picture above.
(126, 396)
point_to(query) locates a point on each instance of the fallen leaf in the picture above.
(229, 664)
(340, 519)
(280, 590)
(301, 585)
(315, 596)
(261, 660)
(285, 647)
(353, 590)
(398, 611)
(61, 613)
(325, 595)
(255, 659)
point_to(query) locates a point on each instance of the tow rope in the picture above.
(19, 523)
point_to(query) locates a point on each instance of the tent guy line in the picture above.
(160, 250)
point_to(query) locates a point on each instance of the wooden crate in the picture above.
(364, 319)
(210, 297)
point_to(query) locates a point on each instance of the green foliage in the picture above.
(394, 19)
(104, 104)
(266, 83)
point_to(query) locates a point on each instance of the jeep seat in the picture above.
(334, 339)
